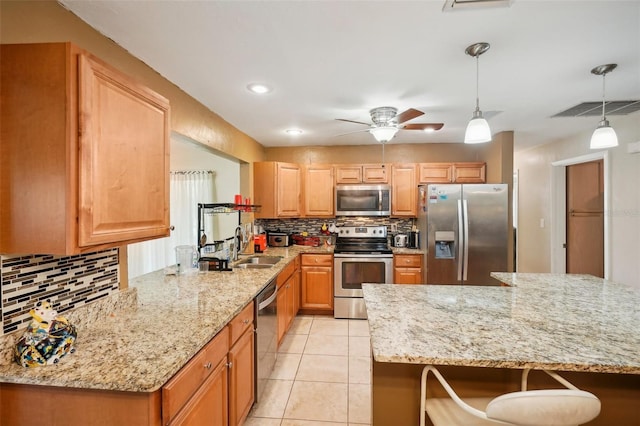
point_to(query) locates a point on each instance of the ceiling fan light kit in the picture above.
(604, 136)
(478, 130)
(383, 134)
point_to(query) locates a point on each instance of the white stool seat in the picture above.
(445, 412)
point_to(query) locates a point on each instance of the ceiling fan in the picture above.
(387, 122)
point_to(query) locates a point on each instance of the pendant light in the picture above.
(478, 130)
(604, 136)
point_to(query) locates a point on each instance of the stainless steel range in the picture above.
(361, 255)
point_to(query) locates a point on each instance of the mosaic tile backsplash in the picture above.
(312, 226)
(69, 282)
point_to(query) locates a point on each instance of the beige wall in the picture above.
(535, 200)
(47, 21)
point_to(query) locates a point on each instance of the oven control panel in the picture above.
(362, 231)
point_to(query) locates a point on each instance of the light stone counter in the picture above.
(140, 347)
(552, 321)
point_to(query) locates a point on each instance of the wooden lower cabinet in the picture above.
(288, 299)
(317, 283)
(241, 378)
(407, 269)
(215, 388)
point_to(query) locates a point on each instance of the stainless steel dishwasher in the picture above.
(266, 336)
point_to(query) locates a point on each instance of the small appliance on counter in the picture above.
(414, 240)
(278, 239)
(260, 243)
(400, 240)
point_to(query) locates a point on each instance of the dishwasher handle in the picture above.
(264, 303)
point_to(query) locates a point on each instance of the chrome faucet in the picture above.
(238, 242)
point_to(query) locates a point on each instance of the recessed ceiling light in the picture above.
(259, 88)
(293, 132)
(429, 130)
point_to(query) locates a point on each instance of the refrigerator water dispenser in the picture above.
(444, 241)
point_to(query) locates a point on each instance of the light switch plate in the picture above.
(633, 147)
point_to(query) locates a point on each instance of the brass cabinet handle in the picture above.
(230, 364)
(245, 321)
(208, 366)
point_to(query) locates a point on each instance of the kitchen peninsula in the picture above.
(481, 337)
(125, 356)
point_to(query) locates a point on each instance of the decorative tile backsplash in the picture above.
(69, 282)
(312, 226)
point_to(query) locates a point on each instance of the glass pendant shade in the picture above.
(384, 134)
(478, 130)
(604, 136)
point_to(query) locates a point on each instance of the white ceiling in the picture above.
(338, 59)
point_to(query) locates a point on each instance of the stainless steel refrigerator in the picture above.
(465, 231)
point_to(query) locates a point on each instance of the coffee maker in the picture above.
(414, 240)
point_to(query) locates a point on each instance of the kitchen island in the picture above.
(481, 337)
(133, 346)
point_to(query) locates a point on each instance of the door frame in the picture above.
(559, 210)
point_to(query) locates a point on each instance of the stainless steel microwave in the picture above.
(363, 200)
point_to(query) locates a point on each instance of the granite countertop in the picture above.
(552, 321)
(405, 250)
(140, 346)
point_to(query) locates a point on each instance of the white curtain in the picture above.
(188, 188)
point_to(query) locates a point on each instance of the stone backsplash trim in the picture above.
(312, 226)
(68, 281)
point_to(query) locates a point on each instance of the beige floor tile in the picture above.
(358, 328)
(360, 369)
(274, 399)
(290, 422)
(323, 368)
(293, 344)
(318, 401)
(359, 403)
(286, 366)
(301, 325)
(318, 344)
(261, 421)
(359, 346)
(330, 327)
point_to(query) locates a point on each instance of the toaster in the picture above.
(279, 239)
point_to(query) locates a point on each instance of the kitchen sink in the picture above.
(258, 262)
(253, 266)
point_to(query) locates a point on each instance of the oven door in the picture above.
(351, 270)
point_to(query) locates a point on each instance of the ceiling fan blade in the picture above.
(408, 115)
(351, 121)
(423, 126)
(348, 133)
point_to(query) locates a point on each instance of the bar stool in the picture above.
(548, 407)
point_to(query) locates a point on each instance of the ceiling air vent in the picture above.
(455, 5)
(594, 109)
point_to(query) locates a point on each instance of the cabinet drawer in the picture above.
(188, 380)
(317, 260)
(286, 272)
(408, 260)
(240, 323)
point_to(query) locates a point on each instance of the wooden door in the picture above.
(289, 190)
(124, 157)
(209, 405)
(585, 219)
(348, 174)
(318, 191)
(404, 190)
(317, 288)
(469, 172)
(435, 173)
(241, 378)
(375, 173)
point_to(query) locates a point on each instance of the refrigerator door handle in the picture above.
(461, 240)
(465, 213)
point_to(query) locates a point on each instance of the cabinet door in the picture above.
(407, 276)
(469, 172)
(209, 405)
(241, 378)
(291, 304)
(281, 303)
(377, 173)
(348, 174)
(123, 159)
(318, 191)
(404, 191)
(317, 288)
(296, 292)
(435, 173)
(289, 190)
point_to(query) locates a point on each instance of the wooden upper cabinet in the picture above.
(471, 172)
(404, 190)
(318, 190)
(85, 153)
(277, 189)
(361, 173)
